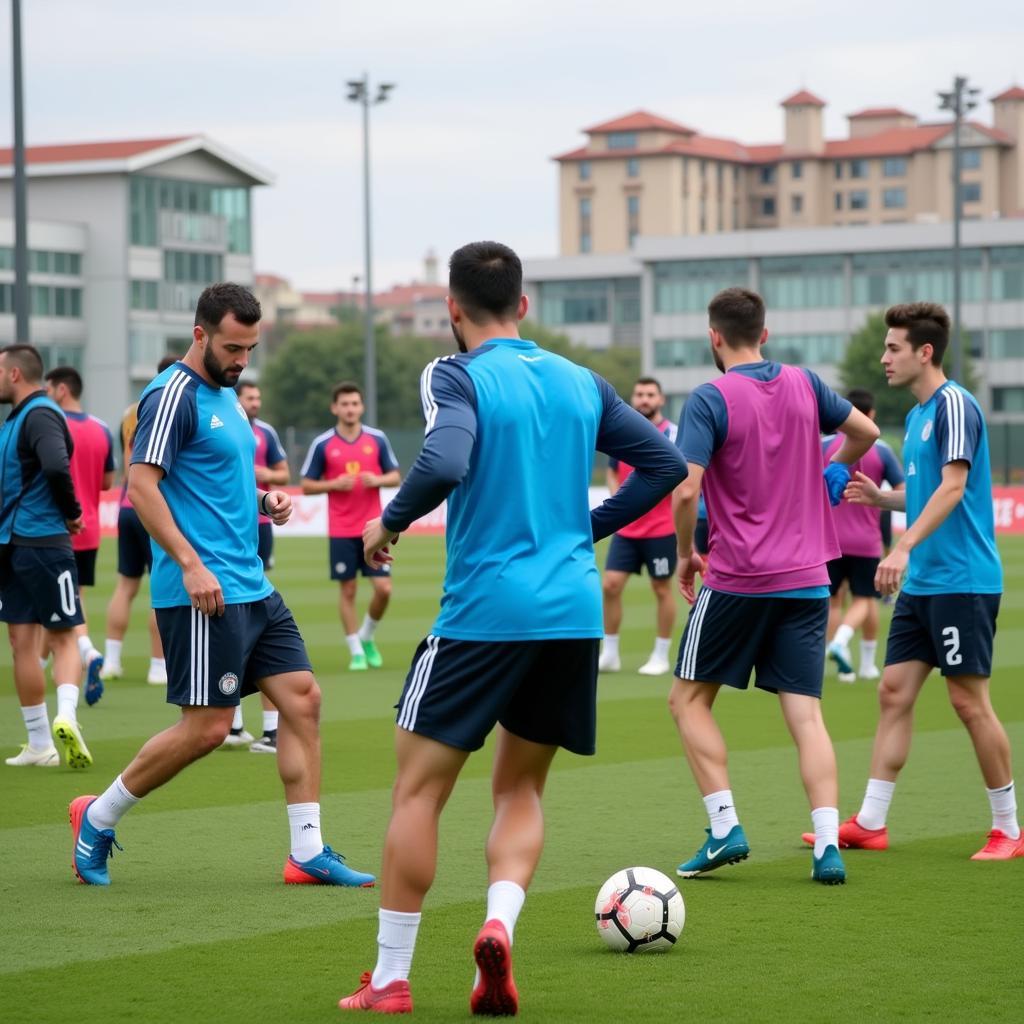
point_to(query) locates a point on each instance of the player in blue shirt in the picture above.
(510, 439)
(225, 630)
(945, 616)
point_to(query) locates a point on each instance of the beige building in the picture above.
(644, 175)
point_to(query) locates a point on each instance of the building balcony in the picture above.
(179, 298)
(195, 230)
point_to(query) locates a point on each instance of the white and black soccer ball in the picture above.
(639, 910)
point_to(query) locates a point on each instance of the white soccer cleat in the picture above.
(869, 671)
(241, 738)
(48, 758)
(608, 662)
(111, 671)
(654, 667)
(157, 676)
(847, 677)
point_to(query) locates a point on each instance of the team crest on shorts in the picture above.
(228, 683)
(340, 566)
(926, 430)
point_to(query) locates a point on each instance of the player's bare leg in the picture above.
(296, 696)
(971, 700)
(613, 584)
(378, 605)
(665, 601)
(897, 694)
(350, 624)
(839, 649)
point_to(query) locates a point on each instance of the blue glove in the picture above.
(837, 476)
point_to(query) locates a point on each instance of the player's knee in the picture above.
(212, 733)
(893, 696)
(383, 588)
(611, 587)
(967, 706)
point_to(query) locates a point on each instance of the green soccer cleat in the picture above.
(357, 663)
(716, 853)
(373, 658)
(828, 868)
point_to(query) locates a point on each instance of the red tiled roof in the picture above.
(639, 120)
(270, 280)
(1015, 92)
(407, 294)
(878, 112)
(765, 153)
(803, 98)
(84, 151)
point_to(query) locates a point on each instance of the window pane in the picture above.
(970, 159)
(688, 286)
(858, 168)
(894, 198)
(894, 167)
(574, 302)
(858, 200)
(633, 167)
(622, 140)
(584, 167)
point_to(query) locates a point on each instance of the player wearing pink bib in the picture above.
(92, 472)
(752, 442)
(649, 541)
(350, 463)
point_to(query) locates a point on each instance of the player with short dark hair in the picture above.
(350, 463)
(225, 630)
(649, 542)
(515, 644)
(751, 439)
(38, 578)
(945, 615)
(860, 544)
(92, 471)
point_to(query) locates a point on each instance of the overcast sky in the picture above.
(486, 93)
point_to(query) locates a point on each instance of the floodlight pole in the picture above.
(21, 295)
(359, 92)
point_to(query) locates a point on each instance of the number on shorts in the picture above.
(66, 586)
(951, 640)
(660, 566)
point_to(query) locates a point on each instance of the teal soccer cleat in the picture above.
(716, 852)
(326, 868)
(828, 868)
(92, 845)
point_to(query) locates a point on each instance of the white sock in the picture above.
(877, 797)
(504, 902)
(721, 813)
(826, 828)
(304, 822)
(157, 665)
(238, 722)
(867, 653)
(661, 647)
(611, 645)
(844, 634)
(355, 645)
(67, 701)
(1004, 809)
(396, 940)
(110, 807)
(269, 721)
(368, 628)
(112, 652)
(37, 722)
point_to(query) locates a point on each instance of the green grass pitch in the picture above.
(198, 926)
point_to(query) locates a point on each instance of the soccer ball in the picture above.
(639, 910)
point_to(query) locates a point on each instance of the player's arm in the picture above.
(312, 473)
(611, 476)
(658, 465)
(275, 504)
(109, 466)
(685, 503)
(390, 479)
(837, 415)
(45, 435)
(389, 475)
(276, 474)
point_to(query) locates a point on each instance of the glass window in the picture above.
(145, 295)
(687, 286)
(632, 167)
(1007, 344)
(970, 192)
(970, 159)
(40, 299)
(838, 200)
(768, 206)
(6, 257)
(859, 199)
(6, 298)
(1007, 273)
(622, 140)
(143, 203)
(574, 302)
(882, 279)
(1008, 399)
(858, 168)
(39, 261)
(585, 230)
(632, 218)
(584, 169)
(806, 349)
(838, 168)
(796, 203)
(682, 352)
(894, 198)
(626, 301)
(193, 267)
(766, 174)
(796, 169)
(894, 167)
(803, 282)
(585, 244)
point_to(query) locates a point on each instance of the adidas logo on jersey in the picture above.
(215, 422)
(912, 470)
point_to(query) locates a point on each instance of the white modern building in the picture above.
(123, 236)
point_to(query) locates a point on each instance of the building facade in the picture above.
(123, 236)
(642, 175)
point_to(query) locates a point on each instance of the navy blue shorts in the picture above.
(631, 554)
(40, 585)
(953, 632)
(859, 571)
(134, 552)
(214, 661)
(544, 691)
(265, 545)
(700, 537)
(780, 639)
(85, 565)
(347, 558)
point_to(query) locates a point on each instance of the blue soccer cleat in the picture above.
(840, 654)
(326, 868)
(94, 679)
(715, 853)
(828, 868)
(92, 845)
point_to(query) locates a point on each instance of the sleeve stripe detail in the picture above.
(956, 443)
(427, 396)
(169, 399)
(317, 441)
(382, 439)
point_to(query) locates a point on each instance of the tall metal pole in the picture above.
(369, 340)
(958, 209)
(21, 294)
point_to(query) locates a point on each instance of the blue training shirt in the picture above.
(960, 557)
(200, 437)
(511, 431)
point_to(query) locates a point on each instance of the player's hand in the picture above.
(263, 474)
(376, 543)
(278, 505)
(862, 490)
(687, 568)
(203, 589)
(889, 573)
(837, 476)
(74, 525)
(344, 483)
(370, 479)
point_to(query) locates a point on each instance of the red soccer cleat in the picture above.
(495, 994)
(394, 997)
(1000, 847)
(853, 837)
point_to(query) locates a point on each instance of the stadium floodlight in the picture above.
(359, 92)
